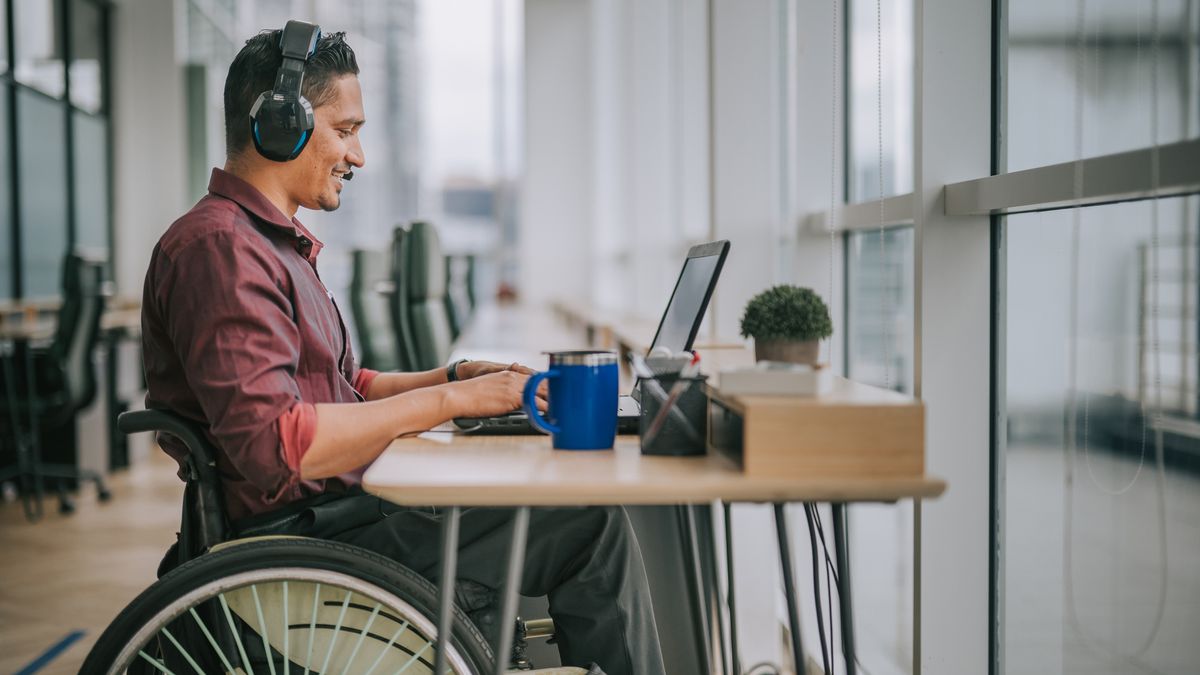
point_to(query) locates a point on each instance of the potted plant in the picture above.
(787, 323)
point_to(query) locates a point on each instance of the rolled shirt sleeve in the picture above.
(362, 380)
(232, 325)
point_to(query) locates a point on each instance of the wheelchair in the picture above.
(281, 604)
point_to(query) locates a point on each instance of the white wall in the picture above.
(149, 134)
(557, 209)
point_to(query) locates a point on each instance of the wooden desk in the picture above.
(441, 468)
(448, 468)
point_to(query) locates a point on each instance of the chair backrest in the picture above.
(370, 287)
(401, 323)
(454, 312)
(204, 522)
(78, 328)
(427, 297)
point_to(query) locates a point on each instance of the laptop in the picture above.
(676, 332)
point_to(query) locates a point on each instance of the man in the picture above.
(241, 336)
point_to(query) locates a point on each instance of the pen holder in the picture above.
(681, 432)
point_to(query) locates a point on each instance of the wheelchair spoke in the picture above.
(312, 627)
(262, 626)
(183, 651)
(386, 647)
(237, 638)
(155, 662)
(287, 653)
(211, 641)
(415, 657)
(361, 636)
(337, 629)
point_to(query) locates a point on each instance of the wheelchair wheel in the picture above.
(286, 605)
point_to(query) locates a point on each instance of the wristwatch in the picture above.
(452, 370)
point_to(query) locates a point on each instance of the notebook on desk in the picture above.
(676, 332)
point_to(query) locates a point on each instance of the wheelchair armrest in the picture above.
(190, 433)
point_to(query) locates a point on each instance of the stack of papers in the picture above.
(769, 378)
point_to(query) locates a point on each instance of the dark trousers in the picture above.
(586, 560)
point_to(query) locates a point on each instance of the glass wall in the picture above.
(42, 156)
(1096, 474)
(880, 57)
(1102, 491)
(880, 302)
(91, 169)
(62, 130)
(37, 32)
(879, 279)
(7, 253)
(1115, 58)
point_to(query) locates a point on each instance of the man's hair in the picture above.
(254, 69)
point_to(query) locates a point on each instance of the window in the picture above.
(87, 56)
(3, 36)
(91, 181)
(1098, 389)
(1093, 529)
(38, 45)
(7, 254)
(880, 299)
(42, 156)
(868, 118)
(1116, 61)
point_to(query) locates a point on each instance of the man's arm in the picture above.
(385, 385)
(351, 435)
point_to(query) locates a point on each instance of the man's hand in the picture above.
(494, 393)
(472, 369)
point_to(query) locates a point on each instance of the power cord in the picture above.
(816, 570)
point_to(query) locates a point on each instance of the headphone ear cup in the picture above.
(280, 129)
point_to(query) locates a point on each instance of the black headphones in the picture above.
(281, 120)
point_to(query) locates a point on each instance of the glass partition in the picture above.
(38, 41)
(42, 156)
(868, 117)
(91, 182)
(87, 56)
(1115, 63)
(1100, 448)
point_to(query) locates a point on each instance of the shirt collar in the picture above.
(249, 198)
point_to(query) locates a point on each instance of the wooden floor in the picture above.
(75, 573)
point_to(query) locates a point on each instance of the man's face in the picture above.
(316, 182)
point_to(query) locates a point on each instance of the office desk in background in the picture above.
(446, 468)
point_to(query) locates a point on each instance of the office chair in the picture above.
(62, 383)
(370, 289)
(454, 312)
(397, 293)
(428, 318)
(266, 603)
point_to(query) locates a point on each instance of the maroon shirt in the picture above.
(240, 335)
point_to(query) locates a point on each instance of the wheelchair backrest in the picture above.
(204, 522)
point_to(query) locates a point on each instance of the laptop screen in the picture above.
(682, 318)
(689, 300)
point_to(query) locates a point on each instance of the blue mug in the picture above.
(583, 400)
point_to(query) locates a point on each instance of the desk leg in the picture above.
(20, 471)
(842, 551)
(789, 587)
(715, 597)
(733, 634)
(35, 433)
(508, 609)
(446, 587)
(695, 579)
